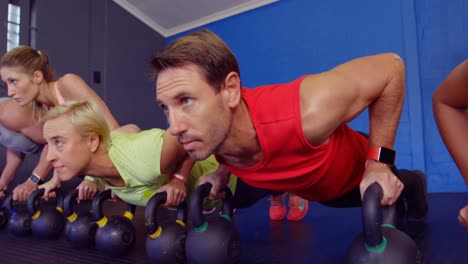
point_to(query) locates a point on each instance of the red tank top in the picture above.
(290, 163)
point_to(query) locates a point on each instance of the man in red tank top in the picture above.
(290, 137)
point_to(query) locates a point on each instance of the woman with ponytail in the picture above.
(31, 83)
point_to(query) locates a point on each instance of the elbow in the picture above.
(396, 78)
(398, 65)
(437, 97)
(134, 128)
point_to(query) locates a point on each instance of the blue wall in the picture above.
(281, 41)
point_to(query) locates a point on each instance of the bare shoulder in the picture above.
(69, 79)
(357, 69)
(16, 117)
(129, 128)
(382, 63)
(338, 95)
(72, 87)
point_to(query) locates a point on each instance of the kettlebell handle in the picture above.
(33, 200)
(374, 215)
(8, 202)
(5, 201)
(98, 201)
(196, 203)
(151, 211)
(68, 202)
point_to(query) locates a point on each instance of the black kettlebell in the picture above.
(3, 213)
(20, 220)
(165, 242)
(115, 235)
(216, 240)
(381, 243)
(48, 222)
(80, 230)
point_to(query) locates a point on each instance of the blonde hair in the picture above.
(29, 60)
(86, 116)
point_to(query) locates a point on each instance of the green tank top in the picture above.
(137, 158)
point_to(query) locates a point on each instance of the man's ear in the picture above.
(232, 89)
(38, 77)
(94, 142)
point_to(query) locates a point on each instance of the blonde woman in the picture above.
(133, 165)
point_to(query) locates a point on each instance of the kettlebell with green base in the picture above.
(381, 242)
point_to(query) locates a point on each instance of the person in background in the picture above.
(450, 107)
(21, 135)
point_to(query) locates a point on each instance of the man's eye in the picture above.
(187, 100)
(163, 107)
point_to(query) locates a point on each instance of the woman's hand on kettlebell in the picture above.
(87, 190)
(22, 191)
(176, 192)
(3, 189)
(50, 185)
(114, 198)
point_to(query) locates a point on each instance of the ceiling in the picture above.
(169, 17)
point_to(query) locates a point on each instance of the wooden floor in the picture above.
(323, 236)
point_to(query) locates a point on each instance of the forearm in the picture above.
(453, 125)
(185, 167)
(43, 166)
(224, 174)
(385, 110)
(13, 161)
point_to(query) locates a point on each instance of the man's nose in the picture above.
(176, 124)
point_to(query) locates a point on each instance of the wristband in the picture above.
(179, 177)
(382, 155)
(89, 178)
(36, 179)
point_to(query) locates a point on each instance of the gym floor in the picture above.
(323, 236)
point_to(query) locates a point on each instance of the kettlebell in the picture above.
(165, 242)
(215, 240)
(80, 230)
(381, 243)
(3, 213)
(115, 235)
(48, 222)
(19, 223)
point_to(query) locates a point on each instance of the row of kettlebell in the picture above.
(113, 236)
(208, 241)
(44, 223)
